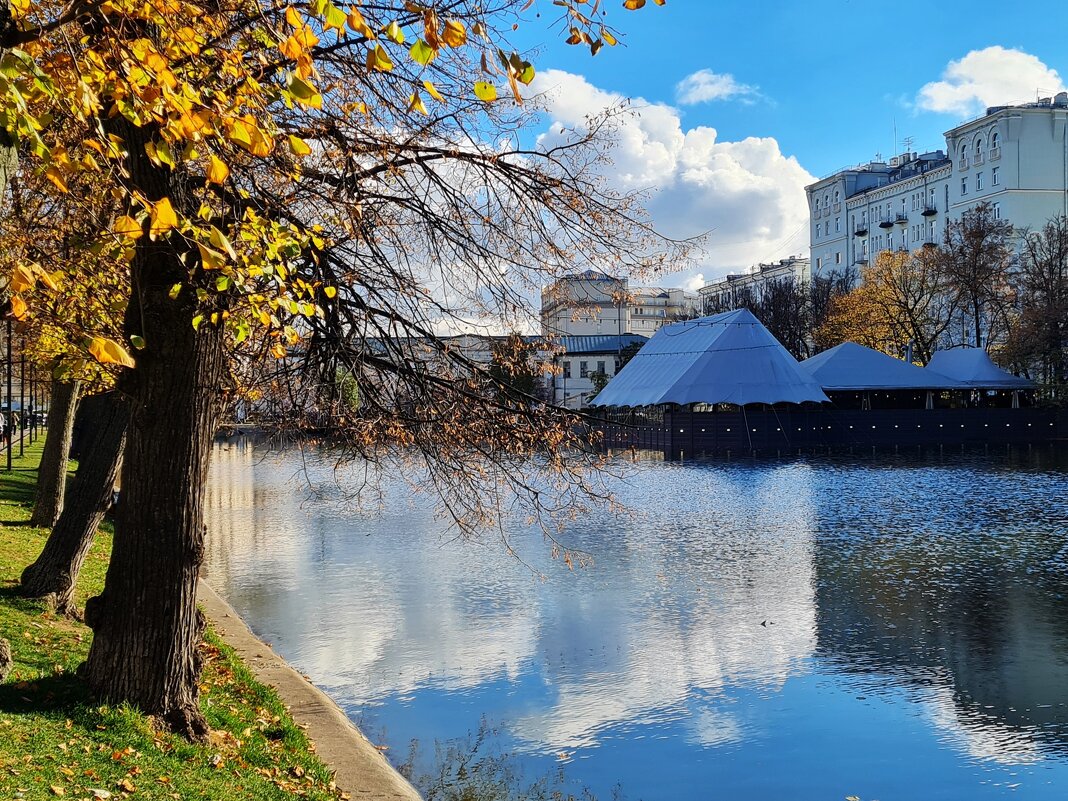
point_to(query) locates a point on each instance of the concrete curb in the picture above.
(361, 770)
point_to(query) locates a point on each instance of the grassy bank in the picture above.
(56, 742)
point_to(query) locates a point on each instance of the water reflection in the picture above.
(961, 597)
(741, 613)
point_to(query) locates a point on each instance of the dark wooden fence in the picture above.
(681, 433)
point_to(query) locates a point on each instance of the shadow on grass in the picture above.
(63, 694)
(18, 487)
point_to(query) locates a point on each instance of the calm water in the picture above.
(761, 630)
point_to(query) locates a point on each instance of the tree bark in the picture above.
(146, 624)
(52, 474)
(55, 572)
(5, 660)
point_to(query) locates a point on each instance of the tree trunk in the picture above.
(55, 572)
(5, 660)
(52, 474)
(146, 625)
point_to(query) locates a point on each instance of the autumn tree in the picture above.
(976, 262)
(49, 248)
(324, 186)
(1039, 336)
(902, 299)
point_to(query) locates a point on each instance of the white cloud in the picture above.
(989, 77)
(705, 86)
(747, 193)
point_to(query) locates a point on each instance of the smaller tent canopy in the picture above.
(973, 368)
(726, 358)
(850, 366)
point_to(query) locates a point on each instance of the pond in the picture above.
(885, 628)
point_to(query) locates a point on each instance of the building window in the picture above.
(930, 232)
(979, 146)
(995, 139)
(889, 241)
(819, 262)
(978, 181)
(837, 258)
(817, 207)
(567, 369)
(995, 177)
(964, 186)
(600, 367)
(997, 211)
(584, 369)
(837, 224)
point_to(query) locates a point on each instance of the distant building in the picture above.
(735, 290)
(581, 357)
(596, 304)
(1013, 157)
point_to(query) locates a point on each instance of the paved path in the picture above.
(361, 770)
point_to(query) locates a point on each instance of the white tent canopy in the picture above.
(726, 358)
(973, 368)
(850, 366)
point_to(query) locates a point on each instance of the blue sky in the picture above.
(822, 83)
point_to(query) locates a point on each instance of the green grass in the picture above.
(55, 741)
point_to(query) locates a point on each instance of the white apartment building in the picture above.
(737, 289)
(596, 304)
(1013, 157)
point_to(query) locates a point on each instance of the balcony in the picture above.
(887, 223)
(978, 159)
(902, 218)
(962, 164)
(862, 259)
(837, 207)
(930, 244)
(861, 229)
(995, 153)
(929, 211)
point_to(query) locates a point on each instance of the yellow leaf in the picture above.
(299, 146)
(415, 103)
(455, 35)
(21, 279)
(293, 17)
(378, 59)
(56, 177)
(127, 227)
(18, 307)
(608, 37)
(330, 291)
(634, 5)
(486, 92)
(359, 25)
(162, 218)
(394, 33)
(433, 91)
(218, 172)
(210, 258)
(222, 242)
(107, 351)
(46, 278)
